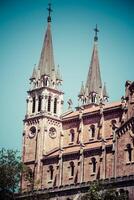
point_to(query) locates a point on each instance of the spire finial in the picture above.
(49, 12)
(96, 32)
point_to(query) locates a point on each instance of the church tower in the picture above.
(42, 123)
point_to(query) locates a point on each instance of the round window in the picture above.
(52, 132)
(32, 132)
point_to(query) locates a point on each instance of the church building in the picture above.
(66, 151)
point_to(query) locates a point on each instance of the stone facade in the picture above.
(96, 141)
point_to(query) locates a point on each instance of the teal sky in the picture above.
(22, 28)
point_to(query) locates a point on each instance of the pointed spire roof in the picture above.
(34, 74)
(58, 75)
(46, 62)
(105, 94)
(82, 90)
(94, 83)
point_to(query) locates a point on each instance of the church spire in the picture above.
(46, 62)
(46, 74)
(94, 83)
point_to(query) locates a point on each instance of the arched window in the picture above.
(72, 134)
(46, 81)
(72, 168)
(33, 107)
(49, 104)
(55, 105)
(92, 131)
(93, 165)
(39, 103)
(93, 99)
(51, 170)
(129, 150)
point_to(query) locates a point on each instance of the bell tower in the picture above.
(42, 123)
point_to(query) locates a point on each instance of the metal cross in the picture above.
(49, 9)
(96, 31)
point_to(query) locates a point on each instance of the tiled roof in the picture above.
(92, 109)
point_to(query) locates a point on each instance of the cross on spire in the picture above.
(49, 12)
(96, 30)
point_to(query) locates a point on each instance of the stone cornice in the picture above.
(125, 127)
(41, 115)
(50, 155)
(45, 87)
(81, 187)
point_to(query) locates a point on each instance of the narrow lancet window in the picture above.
(92, 131)
(49, 104)
(55, 105)
(51, 170)
(93, 99)
(46, 82)
(93, 165)
(72, 135)
(39, 103)
(129, 152)
(72, 168)
(33, 106)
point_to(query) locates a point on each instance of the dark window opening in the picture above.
(129, 150)
(39, 103)
(33, 107)
(51, 172)
(72, 168)
(55, 105)
(92, 128)
(49, 104)
(93, 99)
(72, 135)
(46, 82)
(94, 164)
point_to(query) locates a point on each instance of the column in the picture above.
(36, 104)
(81, 165)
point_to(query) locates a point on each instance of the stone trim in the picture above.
(83, 187)
(125, 127)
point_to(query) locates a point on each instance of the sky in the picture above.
(22, 27)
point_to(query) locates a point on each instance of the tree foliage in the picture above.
(98, 192)
(10, 172)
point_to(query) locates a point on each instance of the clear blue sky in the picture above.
(22, 28)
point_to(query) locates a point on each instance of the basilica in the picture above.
(66, 151)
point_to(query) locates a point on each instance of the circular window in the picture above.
(52, 132)
(32, 132)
